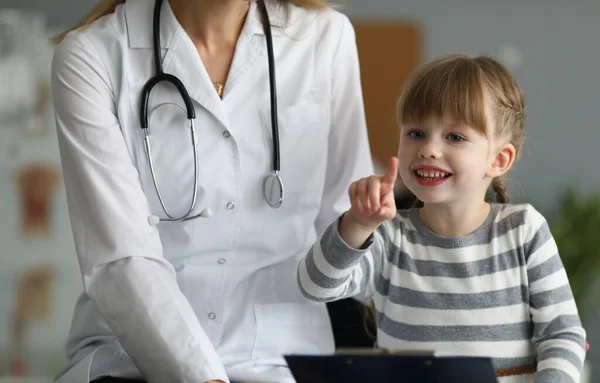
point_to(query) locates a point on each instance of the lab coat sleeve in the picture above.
(120, 254)
(349, 155)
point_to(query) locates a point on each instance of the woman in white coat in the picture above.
(213, 298)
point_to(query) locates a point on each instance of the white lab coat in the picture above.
(211, 298)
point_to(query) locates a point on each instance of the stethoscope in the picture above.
(273, 185)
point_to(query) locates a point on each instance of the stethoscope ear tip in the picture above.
(153, 220)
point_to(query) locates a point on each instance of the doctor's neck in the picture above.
(212, 24)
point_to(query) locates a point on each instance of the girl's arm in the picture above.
(348, 256)
(557, 332)
(333, 270)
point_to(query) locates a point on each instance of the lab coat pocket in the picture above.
(303, 132)
(290, 328)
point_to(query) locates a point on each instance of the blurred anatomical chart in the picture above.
(37, 184)
(33, 302)
(30, 181)
(25, 62)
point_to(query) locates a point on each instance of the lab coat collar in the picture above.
(181, 58)
(139, 14)
(286, 19)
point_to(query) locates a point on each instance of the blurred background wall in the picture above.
(551, 46)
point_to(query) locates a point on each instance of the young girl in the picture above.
(458, 275)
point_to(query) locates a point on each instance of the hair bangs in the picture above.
(449, 90)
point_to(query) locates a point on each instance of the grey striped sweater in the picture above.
(501, 291)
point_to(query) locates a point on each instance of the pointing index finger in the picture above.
(391, 173)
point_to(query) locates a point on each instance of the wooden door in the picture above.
(389, 52)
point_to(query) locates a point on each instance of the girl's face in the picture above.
(444, 161)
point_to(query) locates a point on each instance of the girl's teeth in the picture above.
(433, 174)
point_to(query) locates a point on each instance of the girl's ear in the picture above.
(505, 158)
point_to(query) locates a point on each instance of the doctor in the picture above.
(199, 166)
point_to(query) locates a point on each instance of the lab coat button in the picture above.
(211, 316)
(226, 134)
(230, 205)
(221, 261)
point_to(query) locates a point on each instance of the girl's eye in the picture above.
(415, 134)
(455, 138)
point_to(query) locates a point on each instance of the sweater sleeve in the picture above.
(558, 335)
(332, 270)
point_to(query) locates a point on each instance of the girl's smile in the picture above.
(431, 175)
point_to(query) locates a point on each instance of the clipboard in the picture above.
(397, 367)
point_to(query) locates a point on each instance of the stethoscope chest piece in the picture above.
(273, 189)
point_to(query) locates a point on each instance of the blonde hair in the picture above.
(105, 7)
(462, 87)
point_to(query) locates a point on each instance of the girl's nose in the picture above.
(430, 149)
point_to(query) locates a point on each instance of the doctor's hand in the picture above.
(372, 202)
